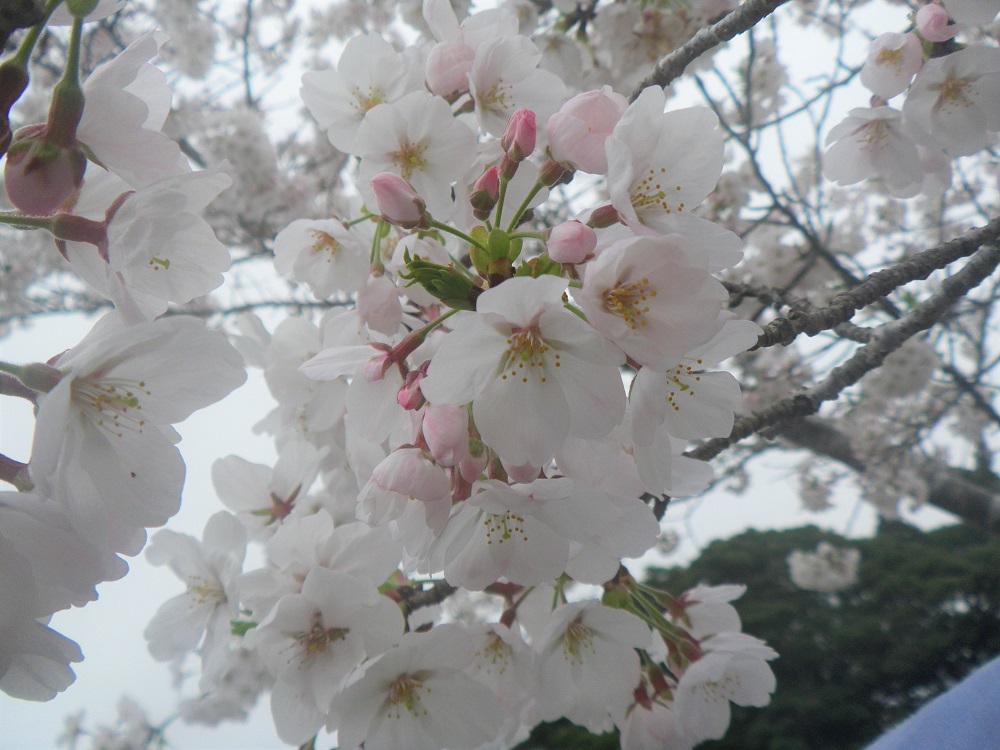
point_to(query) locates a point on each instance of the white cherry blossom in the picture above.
(324, 254)
(533, 372)
(586, 664)
(370, 72)
(103, 443)
(208, 568)
(953, 103)
(417, 138)
(662, 165)
(871, 142)
(505, 77)
(733, 668)
(646, 297)
(893, 60)
(159, 249)
(417, 696)
(313, 640)
(126, 102)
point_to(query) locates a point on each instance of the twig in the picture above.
(875, 287)
(671, 66)
(884, 340)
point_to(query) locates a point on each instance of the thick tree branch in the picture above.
(875, 287)
(884, 340)
(947, 489)
(671, 66)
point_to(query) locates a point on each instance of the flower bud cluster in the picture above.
(950, 108)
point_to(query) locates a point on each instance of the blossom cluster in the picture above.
(950, 107)
(124, 208)
(465, 423)
(462, 424)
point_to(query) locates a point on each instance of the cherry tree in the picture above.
(517, 278)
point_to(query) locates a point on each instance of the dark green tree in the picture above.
(924, 613)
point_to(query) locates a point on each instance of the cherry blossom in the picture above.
(323, 254)
(952, 104)
(158, 249)
(370, 72)
(504, 78)
(522, 360)
(416, 696)
(313, 640)
(578, 131)
(828, 570)
(892, 62)
(103, 445)
(208, 569)
(417, 138)
(661, 165)
(873, 143)
(734, 668)
(126, 102)
(586, 664)
(643, 294)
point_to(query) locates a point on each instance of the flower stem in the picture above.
(461, 235)
(20, 221)
(500, 199)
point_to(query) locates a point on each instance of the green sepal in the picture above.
(445, 283)
(498, 244)
(616, 597)
(241, 627)
(515, 249)
(537, 267)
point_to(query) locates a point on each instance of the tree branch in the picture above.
(436, 594)
(947, 489)
(875, 287)
(671, 66)
(885, 339)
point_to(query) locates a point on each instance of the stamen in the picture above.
(405, 691)
(112, 404)
(628, 302)
(526, 356)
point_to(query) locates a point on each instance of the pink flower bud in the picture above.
(408, 472)
(448, 68)
(409, 395)
(934, 23)
(485, 193)
(398, 203)
(571, 242)
(375, 368)
(472, 466)
(577, 132)
(446, 430)
(519, 138)
(40, 177)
